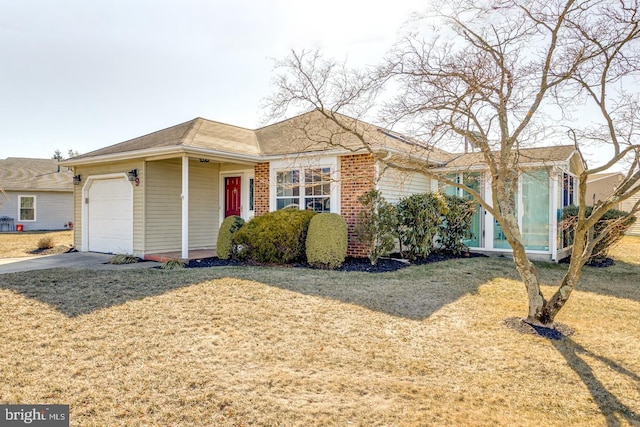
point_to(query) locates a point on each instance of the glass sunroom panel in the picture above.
(499, 239)
(450, 189)
(535, 215)
(474, 180)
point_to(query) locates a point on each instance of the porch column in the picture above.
(553, 215)
(185, 207)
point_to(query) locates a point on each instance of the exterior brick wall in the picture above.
(357, 176)
(261, 189)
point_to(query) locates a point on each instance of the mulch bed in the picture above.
(597, 262)
(60, 249)
(383, 265)
(557, 331)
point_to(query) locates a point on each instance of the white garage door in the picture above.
(110, 216)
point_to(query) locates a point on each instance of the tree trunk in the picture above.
(542, 312)
(538, 307)
(578, 258)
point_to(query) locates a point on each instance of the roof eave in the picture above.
(481, 167)
(164, 152)
(34, 190)
(345, 152)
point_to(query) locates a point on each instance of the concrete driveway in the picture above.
(85, 260)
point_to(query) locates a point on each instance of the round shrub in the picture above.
(226, 246)
(276, 237)
(327, 241)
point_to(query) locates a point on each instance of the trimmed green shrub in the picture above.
(276, 237)
(420, 216)
(226, 246)
(326, 245)
(614, 235)
(377, 225)
(457, 224)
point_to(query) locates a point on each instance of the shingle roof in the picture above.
(279, 139)
(311, 132)
(307, 133)
(196, 133)
(558, 153)
(22, 174)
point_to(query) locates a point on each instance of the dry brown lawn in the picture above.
(294, 347)
(16, 245)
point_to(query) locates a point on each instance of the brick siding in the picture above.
(357, 176)
(261, 189)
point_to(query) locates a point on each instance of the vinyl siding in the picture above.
(54, 210)
(164, 205)
(575, 164)
(203, 204)
(627, 205)
(138, 199)
(394, 184)
(601, 189)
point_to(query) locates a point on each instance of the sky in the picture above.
(81, 75)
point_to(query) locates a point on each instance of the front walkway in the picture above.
(90, 260)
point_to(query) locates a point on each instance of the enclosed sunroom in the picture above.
(546, 185)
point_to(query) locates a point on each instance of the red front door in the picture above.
(232, 196)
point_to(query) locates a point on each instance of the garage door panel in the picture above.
(110, 216)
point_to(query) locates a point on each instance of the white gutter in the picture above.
(462, 168)
(344, 151)
(163, 151)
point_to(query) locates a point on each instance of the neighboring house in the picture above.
(170, 190)
(600, 186)
(38, 195)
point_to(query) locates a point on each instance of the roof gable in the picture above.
(197, 133)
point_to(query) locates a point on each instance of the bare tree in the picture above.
(57, 155)
(503, 75)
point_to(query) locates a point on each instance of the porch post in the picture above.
(185, 207)
(553, 215)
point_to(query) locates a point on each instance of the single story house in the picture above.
(37, 195)
(169, 191)
(601, 186)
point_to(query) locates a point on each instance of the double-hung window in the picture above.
(304, 188)
(27, 208)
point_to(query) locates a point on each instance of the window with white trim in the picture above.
(27, 208)
(568, 189)
(304, 188)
